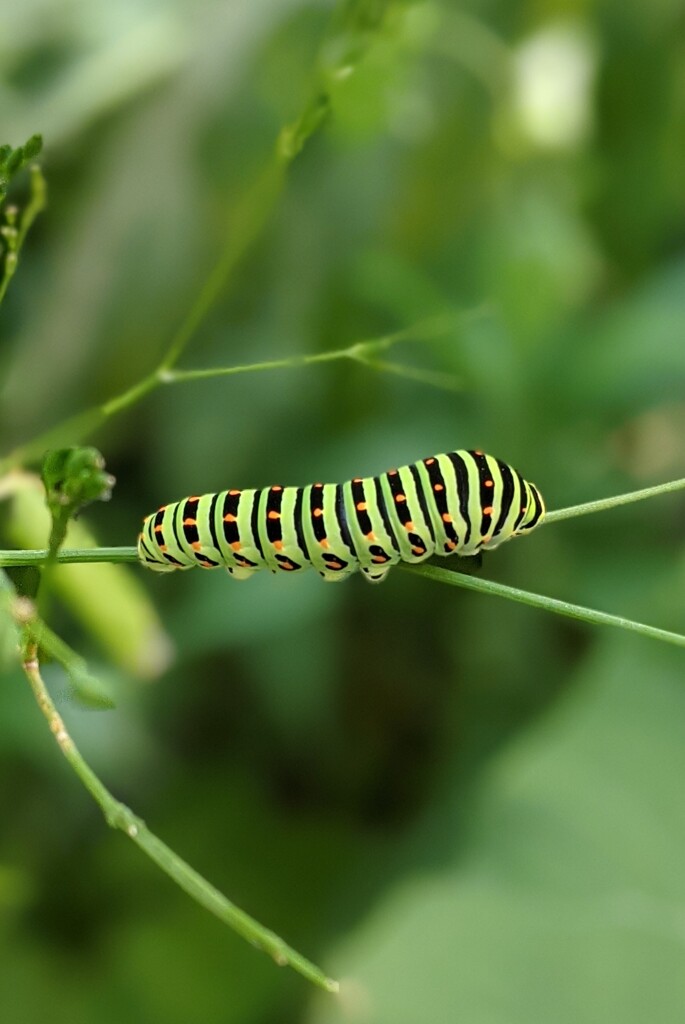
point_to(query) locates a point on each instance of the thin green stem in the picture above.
(132, 395)
(69, 431)
(287, 363)
(34, 206)
(620, 499)
(429, 571)
(433, 378)
(258, 204)
(355, 352)
(119, 816)
(87, 687)
(251, 218)
(353, 29)
(549, 604)
(128, 554)
(77, 427)
(66, 556)
(360, 351)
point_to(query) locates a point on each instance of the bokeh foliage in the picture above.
(465, 806)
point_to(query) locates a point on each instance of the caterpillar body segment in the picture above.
(457, 503)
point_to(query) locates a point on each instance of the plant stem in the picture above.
(119, 816)
(287, 363)
(77, 427)
(82, 555)
(620, 499)
(359, 351)
(34, 206)
(128, 554)
(550, 604)
(130, 396)
(251, 218)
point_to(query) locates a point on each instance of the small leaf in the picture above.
(33, 147)
(14, 159)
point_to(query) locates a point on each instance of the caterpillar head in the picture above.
(535, 510)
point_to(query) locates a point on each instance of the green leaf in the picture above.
(564, 894)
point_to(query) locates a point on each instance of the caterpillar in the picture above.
(456, 503)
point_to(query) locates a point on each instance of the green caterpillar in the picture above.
(455, 503)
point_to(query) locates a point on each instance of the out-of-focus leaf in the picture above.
(634, 356)
(107, 599)
(567, 903)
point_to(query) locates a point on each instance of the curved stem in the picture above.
(119, 816)
(34, 633)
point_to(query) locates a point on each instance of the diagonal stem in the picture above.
(549, 604)
(119, 816)
(620, 499)
(84, 423)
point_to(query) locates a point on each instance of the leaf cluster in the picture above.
(12, 161)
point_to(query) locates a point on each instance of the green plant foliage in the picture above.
(15, 224)
(463, 807)
(13, 160)
(73, 477)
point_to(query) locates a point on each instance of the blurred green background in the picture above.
(467, 809)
